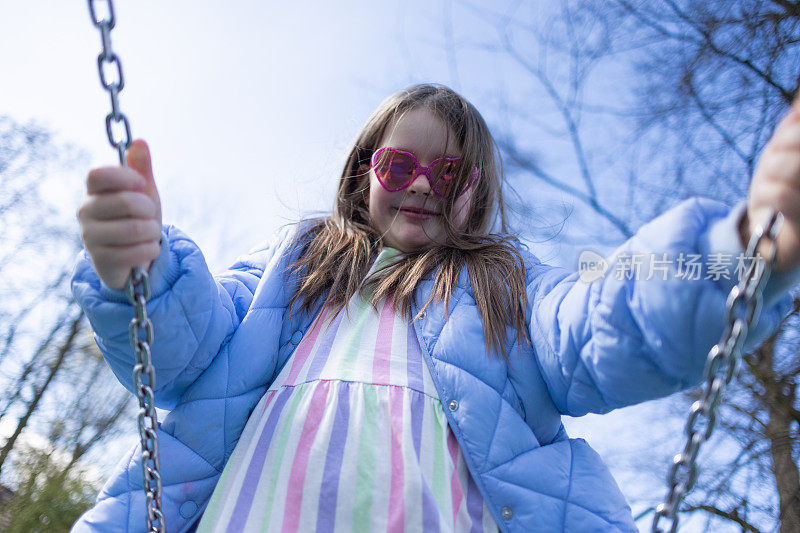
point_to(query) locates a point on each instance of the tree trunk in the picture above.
(778, 400)
(54, 368)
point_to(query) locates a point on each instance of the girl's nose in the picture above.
(420, 185)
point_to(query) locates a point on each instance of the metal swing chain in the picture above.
(137, 289)
(722, 363)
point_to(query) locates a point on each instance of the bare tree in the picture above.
(56, 389)
(648, 102)
(38, 390)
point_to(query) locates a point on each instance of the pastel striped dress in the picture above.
(351, 436)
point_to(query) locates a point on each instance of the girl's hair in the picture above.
(338, 251)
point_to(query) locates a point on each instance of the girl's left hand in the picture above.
(776, 184)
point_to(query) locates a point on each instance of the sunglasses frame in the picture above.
(419, 169)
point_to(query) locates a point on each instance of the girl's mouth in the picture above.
(416, 213)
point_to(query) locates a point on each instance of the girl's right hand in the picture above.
(121, 217)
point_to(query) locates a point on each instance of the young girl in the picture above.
(397, 366)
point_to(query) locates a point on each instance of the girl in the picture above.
(398, 366)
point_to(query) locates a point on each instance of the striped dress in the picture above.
(351, 436)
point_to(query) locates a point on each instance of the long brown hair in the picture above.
(338, 251)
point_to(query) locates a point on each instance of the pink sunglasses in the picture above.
(397, 169)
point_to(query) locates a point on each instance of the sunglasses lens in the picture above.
(394, 169)
(444, 173)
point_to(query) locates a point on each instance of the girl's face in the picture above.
(411, 219)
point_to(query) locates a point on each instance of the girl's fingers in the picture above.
(120, 232)
(116, 205)
(113, 179)
(776, 194)
(786, 136)
(126, 257)
(782, 165)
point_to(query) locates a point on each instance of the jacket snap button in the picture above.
(188, 508)
(297, 336)
(453, 405)
(506, 513)
(422, 315)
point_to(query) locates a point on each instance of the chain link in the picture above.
(108, 57)
(722, 363)
(137, 287)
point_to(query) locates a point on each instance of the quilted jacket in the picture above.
(596, 346)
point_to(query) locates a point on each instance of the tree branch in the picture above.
(785, 94)
(709, 41)
(528, 164)
(733, 516)
(64, 349)
(791, 8)
(565, 111)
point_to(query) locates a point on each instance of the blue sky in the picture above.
(256, 99)
(249, 110)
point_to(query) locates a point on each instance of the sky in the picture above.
(249, 108)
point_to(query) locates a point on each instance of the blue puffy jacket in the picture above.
(221, 340)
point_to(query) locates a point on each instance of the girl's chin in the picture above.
(411, 241)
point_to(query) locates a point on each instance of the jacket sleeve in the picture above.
(622, 339)
(193, 312)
